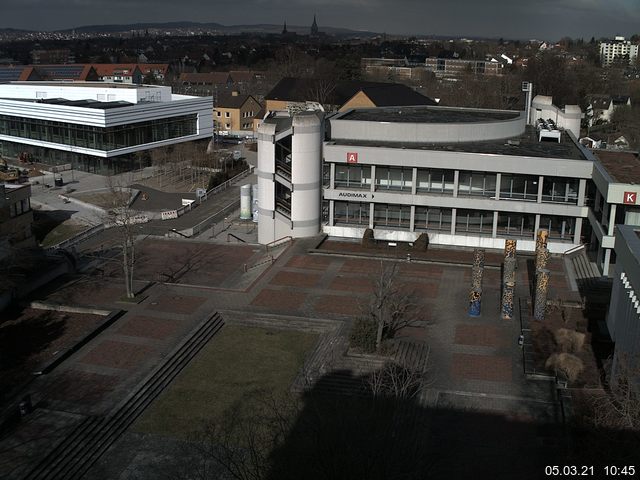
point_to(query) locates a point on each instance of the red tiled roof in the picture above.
(110, 69)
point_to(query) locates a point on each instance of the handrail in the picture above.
(234, 236)
(84, 235)
(278, 242)
(573, 250)
(224, 185)
(268, 260)
(203, 225)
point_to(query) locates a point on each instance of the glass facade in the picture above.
(352, 176)
(559, 227)
(394, 178)
(560, 190)
(430, 218)
(351, 212)
(390, 215)
(99, 138)
(474, 221)
(516, 224)
(519, 187)
(435, 181)
(477, 183)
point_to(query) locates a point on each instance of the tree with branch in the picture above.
(390, 308)
(123, 219)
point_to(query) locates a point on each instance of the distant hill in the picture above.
(227, 29)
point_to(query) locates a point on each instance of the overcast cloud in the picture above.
(544, 19)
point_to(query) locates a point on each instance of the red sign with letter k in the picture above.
(630, 198)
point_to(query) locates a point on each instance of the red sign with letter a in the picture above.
(352, 157)
(630, 198)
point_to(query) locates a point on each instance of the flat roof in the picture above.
(76, 103)
(623, 167)
(526, 145)
(75, 84)
(424, 114)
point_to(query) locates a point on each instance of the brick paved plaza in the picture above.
(476, 363)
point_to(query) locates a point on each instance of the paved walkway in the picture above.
(476, 362)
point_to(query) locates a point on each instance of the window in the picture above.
(227, 126)
(435, 181)
(351, 176)
(516, 224)
(430, 218)
(559, 227)
(560, 190)
(351, 212)
(218, 114)
(474, 221)
(519, 187)
(394, 178)
(226, 115)
(477, 183)
(398, 216)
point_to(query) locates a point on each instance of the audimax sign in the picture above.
(363, 196)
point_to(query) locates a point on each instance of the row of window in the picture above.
(483, 184)
(467, 221)
(99, 138)
(20, 207)
(248, 114)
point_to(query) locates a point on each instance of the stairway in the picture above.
(73, 457)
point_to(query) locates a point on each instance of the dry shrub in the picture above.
(570, 341)
(570, 365)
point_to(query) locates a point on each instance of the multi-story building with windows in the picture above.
(457, 67)
(466, 177)
(95, 126)
(234, 114)
(618, 49)
(16, 218)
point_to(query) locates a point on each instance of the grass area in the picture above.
(236, 363)
(62, 232)
(103, 199)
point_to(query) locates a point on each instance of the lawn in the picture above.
(236, 363)
(62, 232)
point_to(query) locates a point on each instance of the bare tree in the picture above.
(123, 219)
(391, 306)
(397, 380)
(620, 408)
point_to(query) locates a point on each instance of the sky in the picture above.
(516, 19)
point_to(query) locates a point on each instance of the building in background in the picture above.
(454, 68)
(623, 316)
(466, 177)
(16, 218)
(94, 126)
(618, 50)
(234, 114)
(289, 175)
(118, 72)
(295, 94)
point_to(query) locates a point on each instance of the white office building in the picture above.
(94, 126)
(618, 49)
(466, 177)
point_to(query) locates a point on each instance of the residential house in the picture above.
(159, 71)
(119, 73)
(599, 109)
(234, 113)
(296, 93)
(28, 73)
